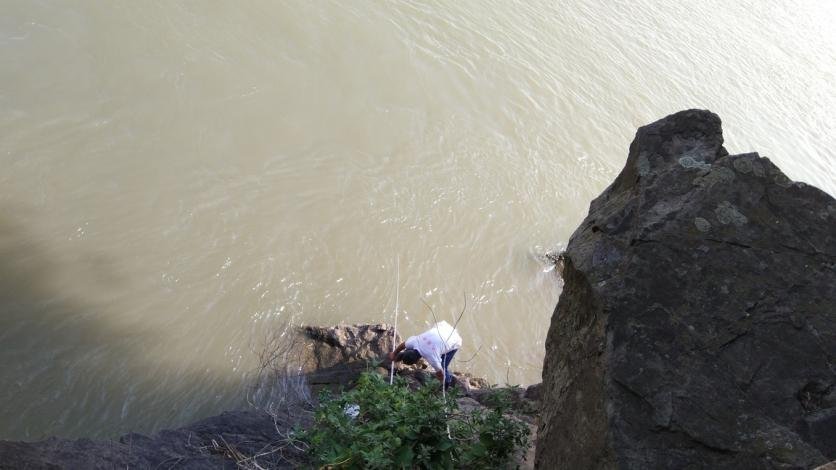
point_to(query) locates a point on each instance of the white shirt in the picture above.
(440, 339)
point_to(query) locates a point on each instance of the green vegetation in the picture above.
(504, 398)
(376, 425)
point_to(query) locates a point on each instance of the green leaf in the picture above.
(404, 456)
(399, 427)
(478, 449)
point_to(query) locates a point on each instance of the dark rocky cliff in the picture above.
(697, 326)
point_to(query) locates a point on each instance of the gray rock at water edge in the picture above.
(697, 324)
(216, 442)
(333, 357)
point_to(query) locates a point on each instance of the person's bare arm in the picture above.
(436, 363)
(400, 348)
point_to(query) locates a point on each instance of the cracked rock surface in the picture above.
(697, 325)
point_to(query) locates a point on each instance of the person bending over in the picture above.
(437, 346)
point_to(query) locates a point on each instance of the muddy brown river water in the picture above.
(179, 179)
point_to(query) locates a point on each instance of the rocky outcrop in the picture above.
(319, 357)
(697, 325)
(216, 442)
(335, 356)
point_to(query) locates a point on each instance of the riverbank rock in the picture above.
(312, 358)
(217, 442)
(335, 356)
(697, 324)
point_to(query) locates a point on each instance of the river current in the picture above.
(181, 179)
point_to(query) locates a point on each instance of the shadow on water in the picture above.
(68, 370)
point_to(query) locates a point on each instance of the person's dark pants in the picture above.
(445, 362)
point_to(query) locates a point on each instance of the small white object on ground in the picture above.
(352, 411)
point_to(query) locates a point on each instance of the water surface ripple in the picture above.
(182, 178)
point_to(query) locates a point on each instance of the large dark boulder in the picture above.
(697, 325)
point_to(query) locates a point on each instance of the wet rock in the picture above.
(334, 357)
(325, 347)
(697, 324)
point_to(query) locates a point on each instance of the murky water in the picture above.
(180, 179)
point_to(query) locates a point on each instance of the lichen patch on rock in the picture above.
(727, 213)
(690, 162)
(702, 225)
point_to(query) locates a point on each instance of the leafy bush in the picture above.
(501, 397)
(376, 425)
(506, 398)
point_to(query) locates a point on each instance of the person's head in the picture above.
(408, 356)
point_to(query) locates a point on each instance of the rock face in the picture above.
(697, 325)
